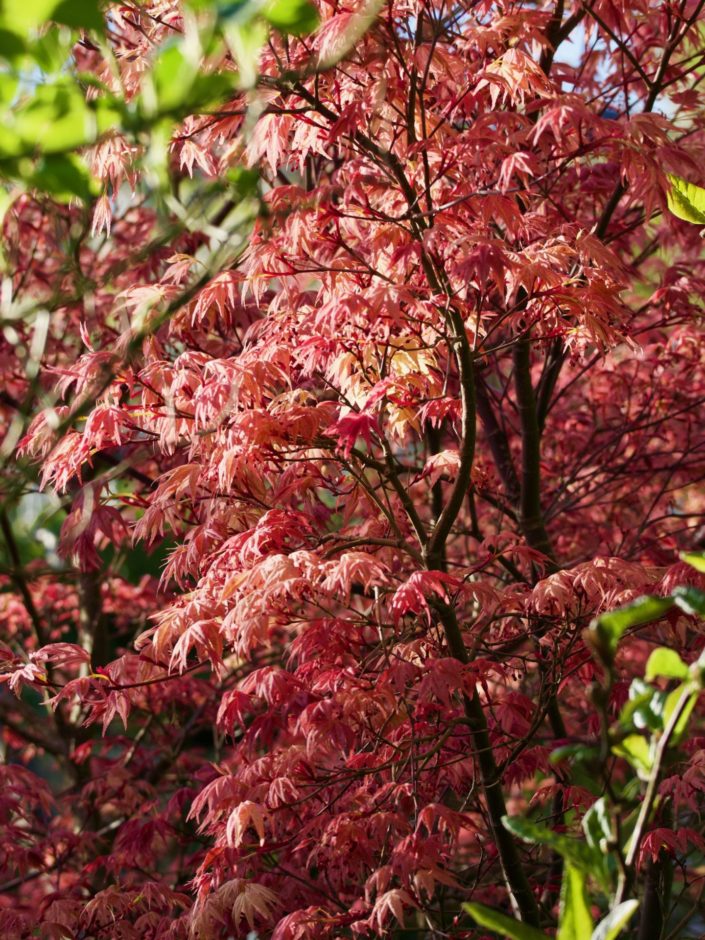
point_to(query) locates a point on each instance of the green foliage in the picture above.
(581, 855)
(47, 118)
(501, 924)
(635, 749)
(64, 176)
(686, 200)
(689, 693)
(19, 18)
(598, 826)
(575, 919)
(606, 631)
(245, 41)
(653, 720)
(297, 17)
(666, 663)
(176, 86)
(695, 560)
(690, 600)
(617, 919)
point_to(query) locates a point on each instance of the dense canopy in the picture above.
(352, 366)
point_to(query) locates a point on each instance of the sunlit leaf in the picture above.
(55, 119)
(575, 920)
(23, 16)
(246, 41)
(672, 702)
(636, 750)
(291, 16)
(617, 919)
(695, 560)
(667, 663)
(597, 825)
(173, 75)
(81, 14)
(686, 200)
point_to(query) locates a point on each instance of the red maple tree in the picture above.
(339, 495)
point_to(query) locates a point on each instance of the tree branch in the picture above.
(531, 514)
(522, 897)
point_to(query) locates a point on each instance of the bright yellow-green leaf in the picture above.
(635, 748)
(173, 74)
(666, 663)
(686, 200)
(291, 16)
(695, 560)
(22, 17)
(672, 702)
(54, 120)
(575, 920)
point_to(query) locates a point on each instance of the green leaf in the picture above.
(686, 200)
(644, 710)
(635, 749)
(671, 702)
(690, 600)
(226, 8)
(297, 17)
(8, 88)
(697, 670)
(574, 921)
(22, 17)
(51, 52)
(611, 925)
(501, 924)
(209, 90)
(667, 663)
(12, 46)
(578, 853)
(109, 112)
(246, 40)
(597, 826)
(81, 14)
(173, 75)
(64, 177)
(243, 181)
(55, 119)
(175, 86)
(695, 560)
(606, 631)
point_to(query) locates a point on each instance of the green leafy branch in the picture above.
(48, 117)
(652, 721)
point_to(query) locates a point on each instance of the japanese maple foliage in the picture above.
(337, 506)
